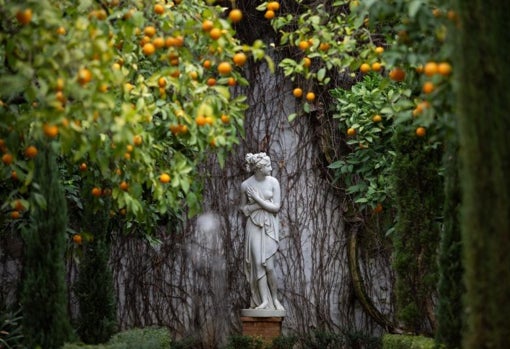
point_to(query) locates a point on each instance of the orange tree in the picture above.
(396, 55)
(133, 95)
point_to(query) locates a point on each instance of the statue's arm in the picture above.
(271, 206)
(246, 208)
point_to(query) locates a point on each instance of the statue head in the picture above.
(256, 161)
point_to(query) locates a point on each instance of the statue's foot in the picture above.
(263, 305)
(278, 305)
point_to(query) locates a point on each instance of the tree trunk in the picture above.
(482, 74)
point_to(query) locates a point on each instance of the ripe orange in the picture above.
(60, 84)
(273, 6)
(207, 25)
(378, 208)
(421, 131)
(397, 74)
(164, 178)
(124, 186)
(7, 159)
(159, 9)
(137, 140)
(310, 96)
(31, 152)
(235, 15)
(161, 82)
(175, 73)
(297, 92)
(103, 88)
(179, 41)
(428, 87)
(239, 59)
(211, 81)
(304, 45)
(50, 131)
(148, 49)
(15, 215)
(77, 239)
(232, 81)
(351, 131)
(83, 167)
(379, 50)
(324, 46)
(158, 42)
(377, 118)
(150, 31)
(84, 76)
(365, 68)
(444, 68)
(14, 176)
(215, 33)
(96, 192)
(269, 14)
(224, 68)
(207, 64)
(209, 120)
(200, 120)
(307, 62)
(193, 75)
(376, 66)
(24, 16)
(225, 118)
(437, 12)
(430, 68)
(61, 31)
(18, 205)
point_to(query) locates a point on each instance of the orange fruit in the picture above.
(84, 76)
(304, 45)
(211, 81)
(235, 15)
(273, 5)
(170, 41)
(164, 178)
(378, 208)
(193, 75)
(14, 176)
(437, 12)
(239, 59)
(158, 42)
(377, 118)
(310, 96)
(59, 96)
(397, 74)
(150, 31)
(124, 186)
(444, 68)
(31, 152)
(297, 92)
(200, 120)
(7, 159)
(162, 82)
(351, 131)
(175, 73)
(137, 140)
(430, 68)
(60, 84)
(103, 88)
(232, 81)
(207, 64)
(209, 120)
(224, 68)
(307, 62)
(179, 41)
(24, 16)
(421, 131)
(148, 49)
(207, 25)
(225, 118)
(428, 87)
(269, 14)
(215, 33)
(50, 131)
(15, 215)
(324, 46)
(18, 205)
(379, 50)
(61, 31)
(376, 66)
(83, 167)
(365, 68)
(159, 9)
(96, 192)
(77, 239)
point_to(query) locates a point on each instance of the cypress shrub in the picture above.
(451, 287)
(417, 190)
(44, 294)
(94, 289)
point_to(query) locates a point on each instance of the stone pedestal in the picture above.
(263, 324)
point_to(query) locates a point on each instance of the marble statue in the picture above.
(260, 203)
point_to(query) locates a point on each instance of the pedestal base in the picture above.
(260, 324)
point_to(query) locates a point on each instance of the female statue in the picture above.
(260, 203)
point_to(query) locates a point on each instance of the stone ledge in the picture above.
(263, 313)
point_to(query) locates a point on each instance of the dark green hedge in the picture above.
(398, 341)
